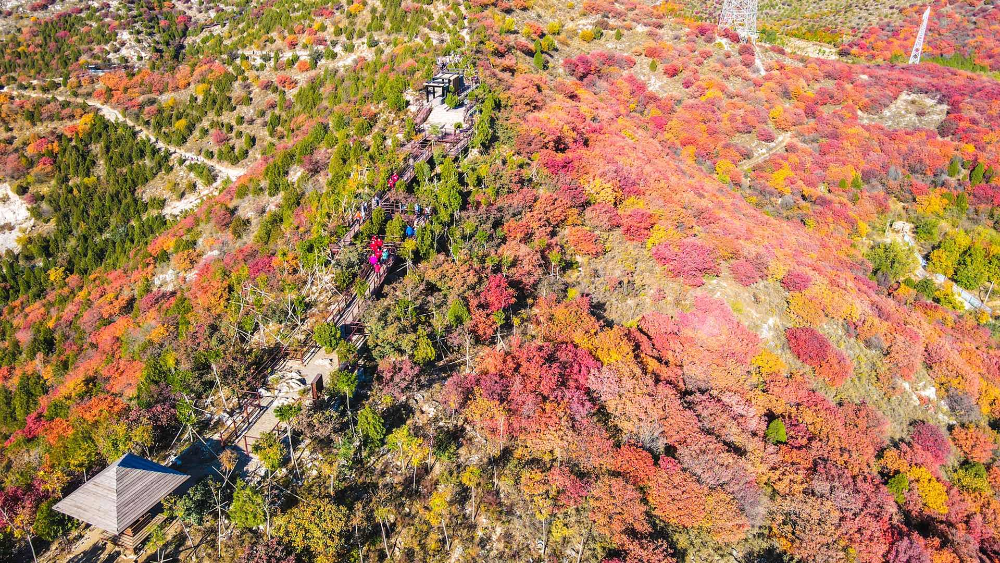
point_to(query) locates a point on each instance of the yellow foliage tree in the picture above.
(779, 179)
(932, 492)
(56, 274)
(767, 362)
(932, 204)
(723, 169)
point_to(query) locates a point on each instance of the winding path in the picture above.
(113, 114)
(969, 299)
(779, 144)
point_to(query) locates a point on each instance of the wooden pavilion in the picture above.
(442, 84)
(124, 499)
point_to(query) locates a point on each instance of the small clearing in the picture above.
(766, 152)
(812, 49)
(910, 111)
(14, 219)
(444, 116)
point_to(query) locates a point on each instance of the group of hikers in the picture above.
(367, 207)
(379, 255)
(380, 252)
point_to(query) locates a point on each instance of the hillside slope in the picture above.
(659, 297)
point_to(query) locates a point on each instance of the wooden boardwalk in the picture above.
(255, 413)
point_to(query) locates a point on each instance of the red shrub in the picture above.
(524, 47)
(584, 241)
(745, 272)
(974, 442)
(602, 216)
(222, 216)
(690, 260)
(814, 350)
(930, 440)
(580, 67)
(909, 549)
(219, 137)
(637, 224)
(796, 280)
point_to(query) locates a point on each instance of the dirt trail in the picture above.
(231, 172)
(779, 144)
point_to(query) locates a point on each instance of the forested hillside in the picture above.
(635, 292)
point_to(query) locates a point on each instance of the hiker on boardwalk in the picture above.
(385, 255)
(409, 231)
(373, 261)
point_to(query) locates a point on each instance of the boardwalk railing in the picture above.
(250, 407)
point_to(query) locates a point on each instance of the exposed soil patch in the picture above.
(14, 219)
(910, 111)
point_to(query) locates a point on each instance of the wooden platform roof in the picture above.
(121, 494)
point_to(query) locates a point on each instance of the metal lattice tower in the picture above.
(741, 17)
(918, 45)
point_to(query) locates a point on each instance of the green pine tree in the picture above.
(955, 166)
(539, 60)
(976, 176)
(776, 432)
(371, 426)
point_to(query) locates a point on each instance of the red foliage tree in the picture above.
(931, 441)
(690, 260)
(796, 280)
(816, 351)
(398, 376)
